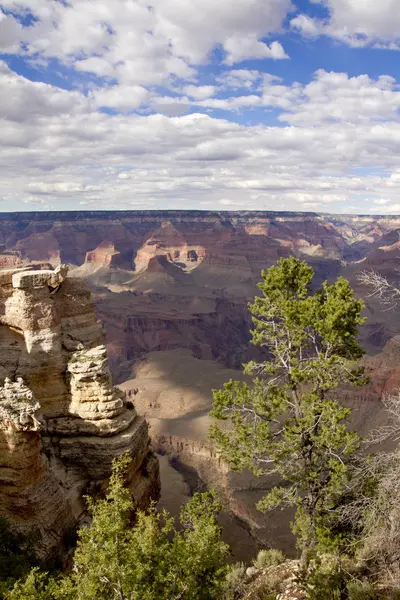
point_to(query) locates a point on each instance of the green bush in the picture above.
(16, 557)
(268, 558)
(361, 590)
(234, 584)
(151, 560)
(324, 580)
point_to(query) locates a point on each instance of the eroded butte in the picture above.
(61, 419)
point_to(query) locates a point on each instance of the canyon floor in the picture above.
(173, 390)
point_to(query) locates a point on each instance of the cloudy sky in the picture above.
(200, 104)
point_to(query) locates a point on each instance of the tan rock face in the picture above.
(169, 243)
(103, 255)
(61, 420)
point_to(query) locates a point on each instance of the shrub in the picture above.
(324, 580)
(361, 590)
(268, 558)
(151, 560)
(234, 584)
(16, 556)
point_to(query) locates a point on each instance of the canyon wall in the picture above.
(169, 279)
(171, 290)
(61, 420)
(130, 239)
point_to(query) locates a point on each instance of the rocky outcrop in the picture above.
(31, 496)
(9, 259)
(172, 244)
(61, 420)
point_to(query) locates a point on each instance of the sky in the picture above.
(200, 104)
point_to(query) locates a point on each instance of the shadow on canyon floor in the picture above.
(173, 390)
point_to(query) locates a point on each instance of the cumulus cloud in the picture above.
(335, 97)
(139, 42)
(65, 153)
(199, 92)
(358, 23)
(382, 201)
(22, 100)
(234, 103)
(239, 49)
(95, 64)
(330, 97)
(194, 33)
(10, 33)
(121, 97)
(140, 130)
(238, 79)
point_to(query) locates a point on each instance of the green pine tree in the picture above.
(288, 422)
(150, 560)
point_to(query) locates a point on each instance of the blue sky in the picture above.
(167, 104)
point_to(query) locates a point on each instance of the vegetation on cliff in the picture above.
(16, 556)
(149, 560)
(288, 423)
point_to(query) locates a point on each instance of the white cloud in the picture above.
(10, 33)
(242, 48)
(231, 104)
(21, 99)
(306, 25)
(193, 33)
(199, 92)
(95, 64)
(358, 23)
(392, 208)
(382, 201)
(336, 97)
(170, 107)
(329, 97)
(140, 43)
(394, 178)
(58, 150)
(80, 157)
(121, 97)
(238, 79)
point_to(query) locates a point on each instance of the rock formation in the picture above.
(61, 420)
(166, 282)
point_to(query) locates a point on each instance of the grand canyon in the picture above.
(170, 292)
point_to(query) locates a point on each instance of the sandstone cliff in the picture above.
(61, 420)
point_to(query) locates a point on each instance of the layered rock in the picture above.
(137, 236)
(61, 421)
(104, 255)
(9, 259)
(31, 496)
(172, 244)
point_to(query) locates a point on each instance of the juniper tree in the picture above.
(150, 560)
(287, 422)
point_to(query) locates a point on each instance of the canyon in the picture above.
(170, 291)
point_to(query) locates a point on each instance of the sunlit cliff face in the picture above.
(61, 420)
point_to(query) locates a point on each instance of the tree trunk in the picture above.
(304, 559)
